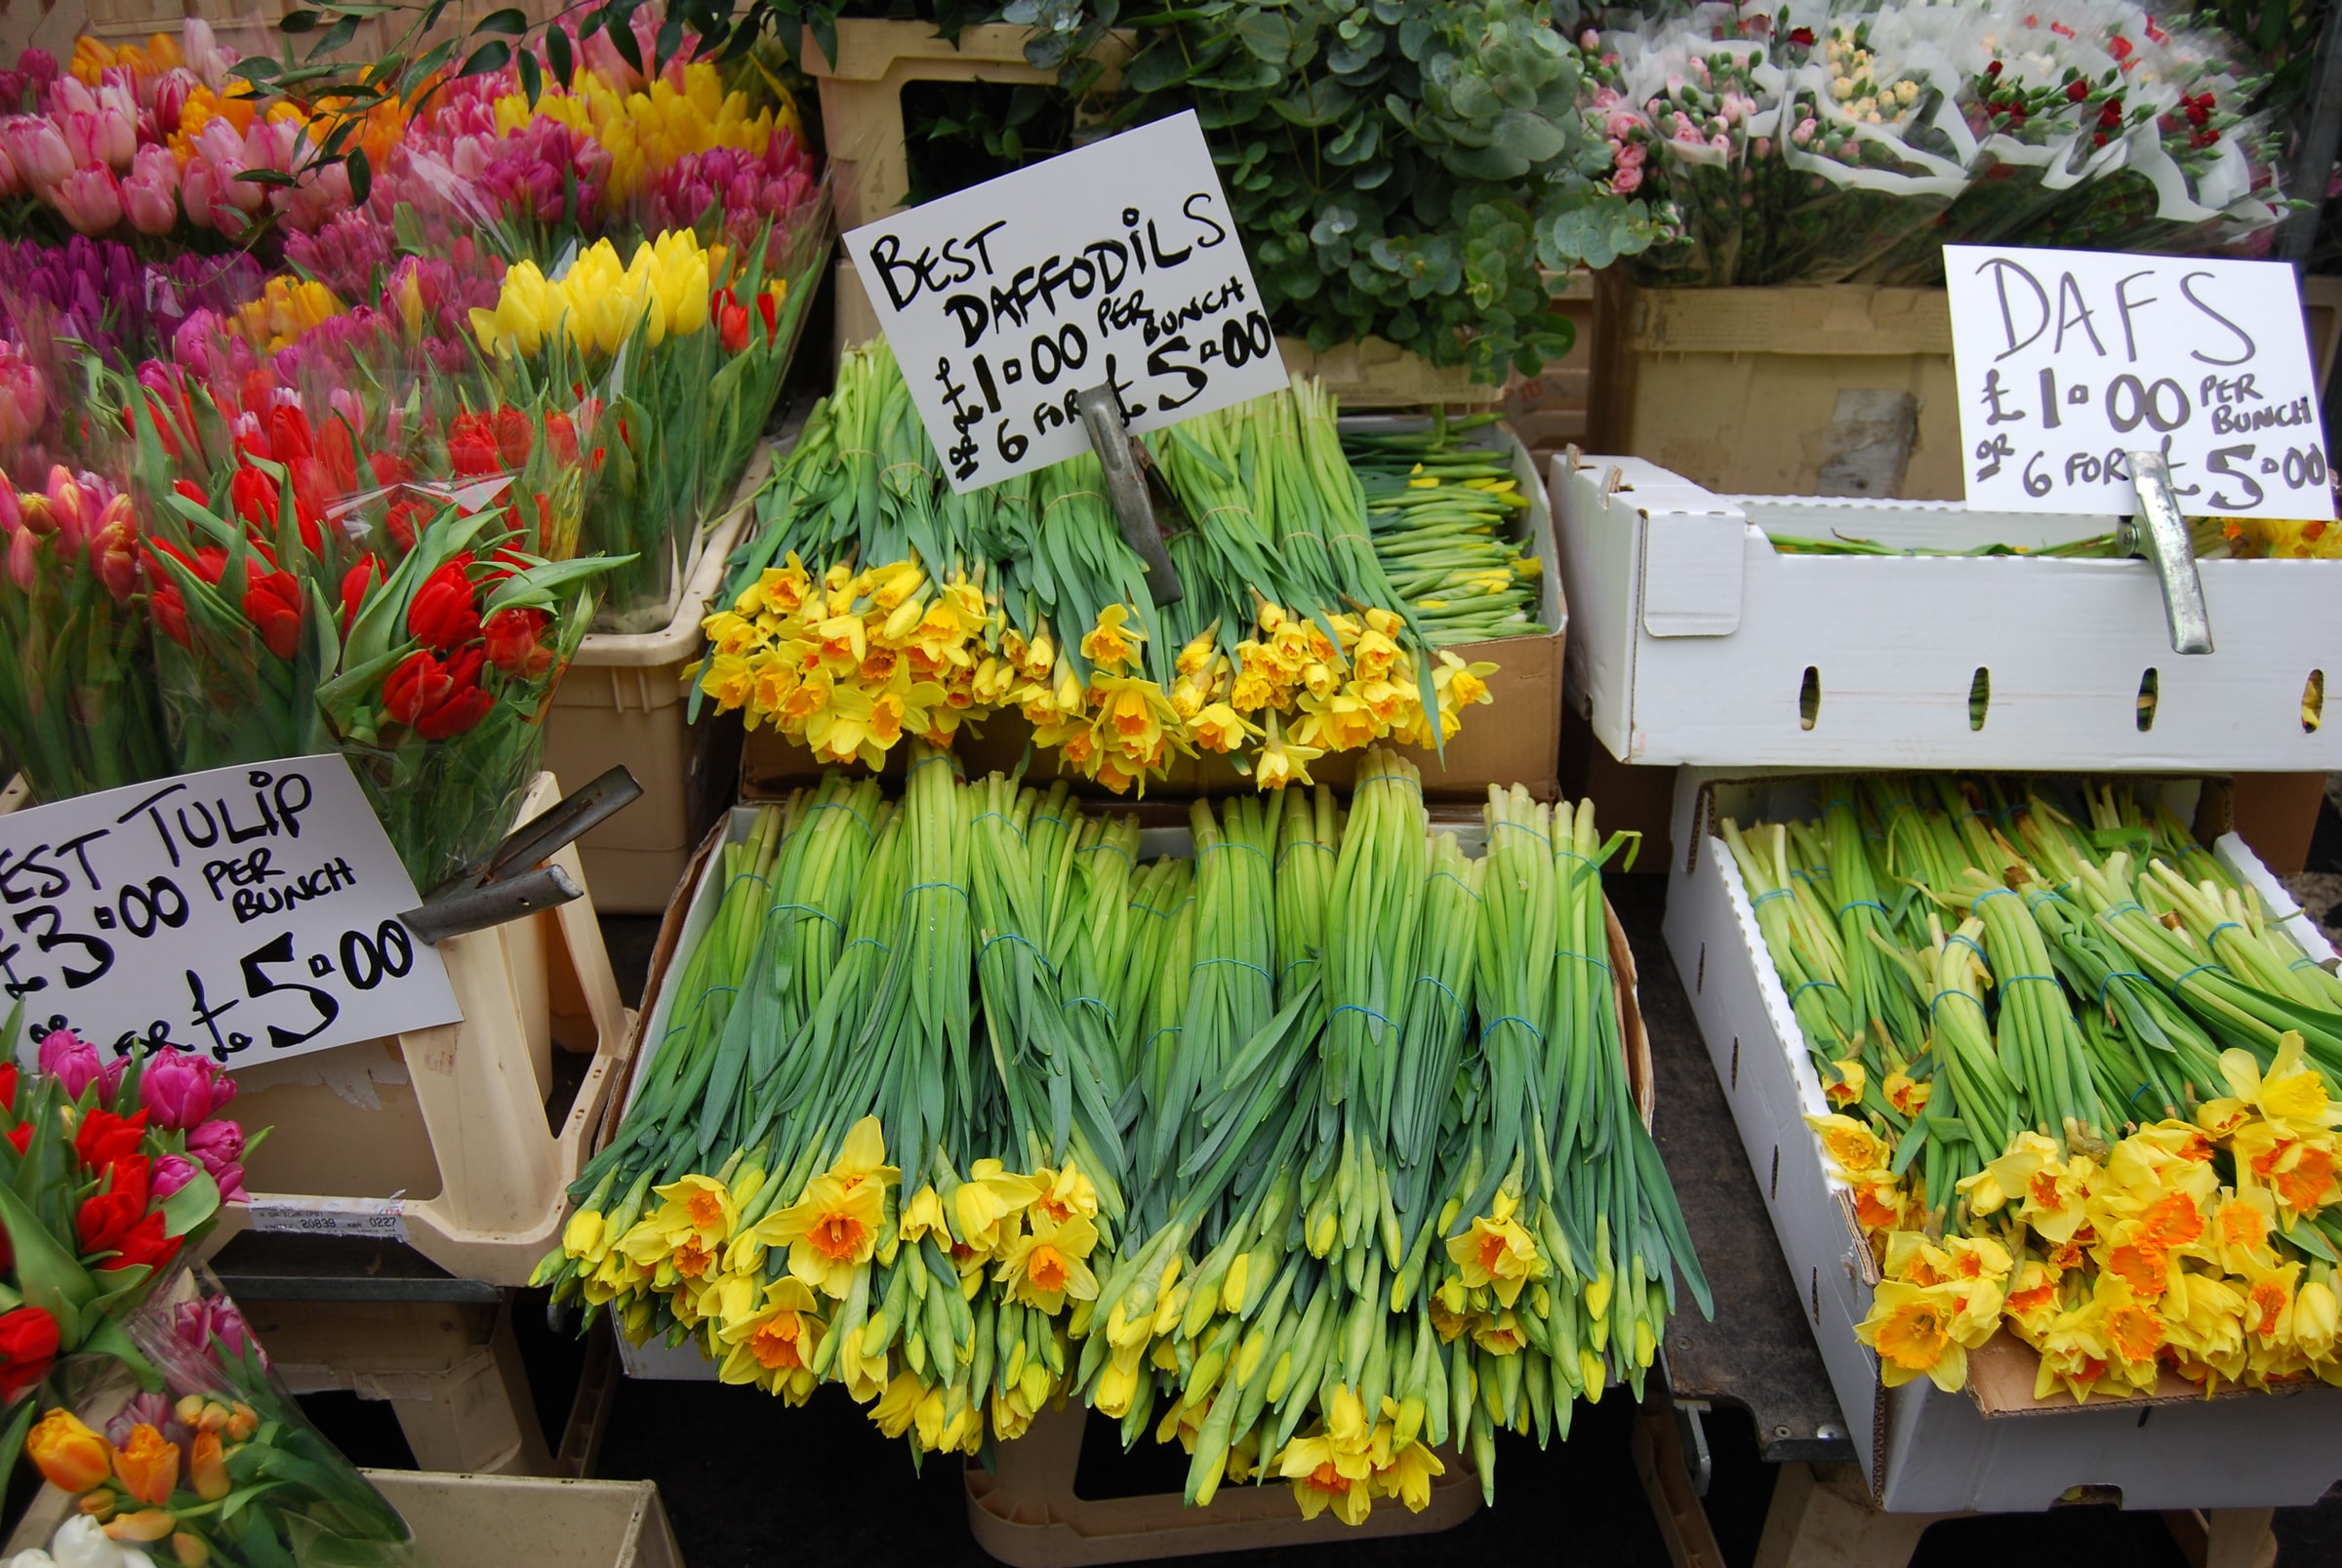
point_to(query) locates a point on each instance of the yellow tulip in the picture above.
(67, 1453)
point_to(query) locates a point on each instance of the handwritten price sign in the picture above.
(1117, 264)
(249, 912)
(2066, 360)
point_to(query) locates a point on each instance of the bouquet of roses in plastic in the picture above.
(210, 1460)
(110, 1167)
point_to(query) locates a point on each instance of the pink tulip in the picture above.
(150, 192)
(12, 514)
(168, 98)
(38, 65)
(90, 199)
(73, 508)
(36, 147)
(181, 1089)
(210, 61)
(12, 182)
(24, 400)
(173, 1172)
(68, 1058)
(24, 559)
(218, 1145)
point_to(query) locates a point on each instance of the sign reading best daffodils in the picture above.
(248, 912)
(2067, 361)
(1116, 264)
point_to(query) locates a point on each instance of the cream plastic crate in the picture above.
(623, 700)
(1694, 641)
(495, 1521)
(1991, 1448)
(438, 1137)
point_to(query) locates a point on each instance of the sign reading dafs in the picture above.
(1116, 264)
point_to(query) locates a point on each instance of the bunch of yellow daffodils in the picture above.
(2174, 1253)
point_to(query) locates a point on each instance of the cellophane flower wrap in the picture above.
(206, 1458)
(114, 1162)
(1848, 142)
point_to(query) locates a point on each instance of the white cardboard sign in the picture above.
(2066, 360)
(1114, 263)
(249, 912)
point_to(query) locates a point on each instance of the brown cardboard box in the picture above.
(2277, 814)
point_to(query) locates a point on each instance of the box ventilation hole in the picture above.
(1735, 1060)
(1773, 1188)
(1980, 697)
(1814, 1284)
(2151, 688)
(2312, 703)
(1699, 978)
(1809, 698)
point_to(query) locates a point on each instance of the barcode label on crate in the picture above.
(378, 1218)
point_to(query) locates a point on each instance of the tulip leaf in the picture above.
(191, 1205)
(52, 1277)
(12, 1441)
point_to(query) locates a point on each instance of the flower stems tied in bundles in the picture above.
(962, 1106)
(2113, 1135)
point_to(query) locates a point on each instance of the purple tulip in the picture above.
(196, 1324)
(218, 1145)
(145, 1410)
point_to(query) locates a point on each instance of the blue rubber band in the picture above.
(1969, 943)
(1460, 882)
(940, 756)
(1394, 778)
(1306, 958)
(1583, 958)
(1864, 903)
(2007, 981)
(995, 815)
(1510, 1017)
(2112, 910)
(2305, 963)
(1353, 1007)
(1995, 893)
(954, 887)
(1807, 874)
(1206, 963)
(1048, 816)
(2197, 970)
(1934, 1001)
(2134, 1094)
(1114, 849)
(1839, 805)
(859, 941)
(2118, 974)
(1098, 1003)
(1237, 843)
(1434, 979)
(2225, 925)
(819, 914)
(1777, 893)
(2032, 900)
(839, 805)
(1148, 908)
(743, 876)
(1560, 854)
(1017, 935)
(1810, 985)
(1524, 828)
(1299, 843)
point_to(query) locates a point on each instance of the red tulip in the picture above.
(254, 495)
(356, 584)
(171, 614)
(104, 1138)
(7, 1086)
(390, 468)
(471, 446)
(438, 699)
(442, 614)
(515, 436)
(403, 520)
(732, 323)
(147, 1243)
(27, 1346)
(769, 309)
(272, 603)
(513, 642)
(563, 435)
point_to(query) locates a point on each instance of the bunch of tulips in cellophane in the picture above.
(660, 230)
(876, 604)
(964, 1106)
(335, 545)
(2078, 1078)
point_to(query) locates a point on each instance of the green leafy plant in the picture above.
(1399, 168)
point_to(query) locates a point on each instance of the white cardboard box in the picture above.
(1927, 1451)
(1694, 641)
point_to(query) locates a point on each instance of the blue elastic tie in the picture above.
(839, 805)
(1206, 963)
(2113, 974)
(2112, 910)
(2134, 1094)
(1397, 778)
(921, 887)
(859, 941)
(1583, 958)
(1237, 843)
(1048, 816)
(1114, 849)
(1434, 979)
(1301, 843)
(1510, 1017)
(1996, 893)
(2197, 970)
(1353, 1007)
(1076, 1001)
(1458, 882)
(1524, 828)
(1969, 943)
(2225, 925)
(1863, 904)
(1777, 893)
(1810, 985)
(1017, 935)
(1937, 998)
(996, 817)
(940, 756)
(817, 914)
(743, 876)
(2304, 963)
(2032, 900)
(1561, 854)
(1148, 908)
